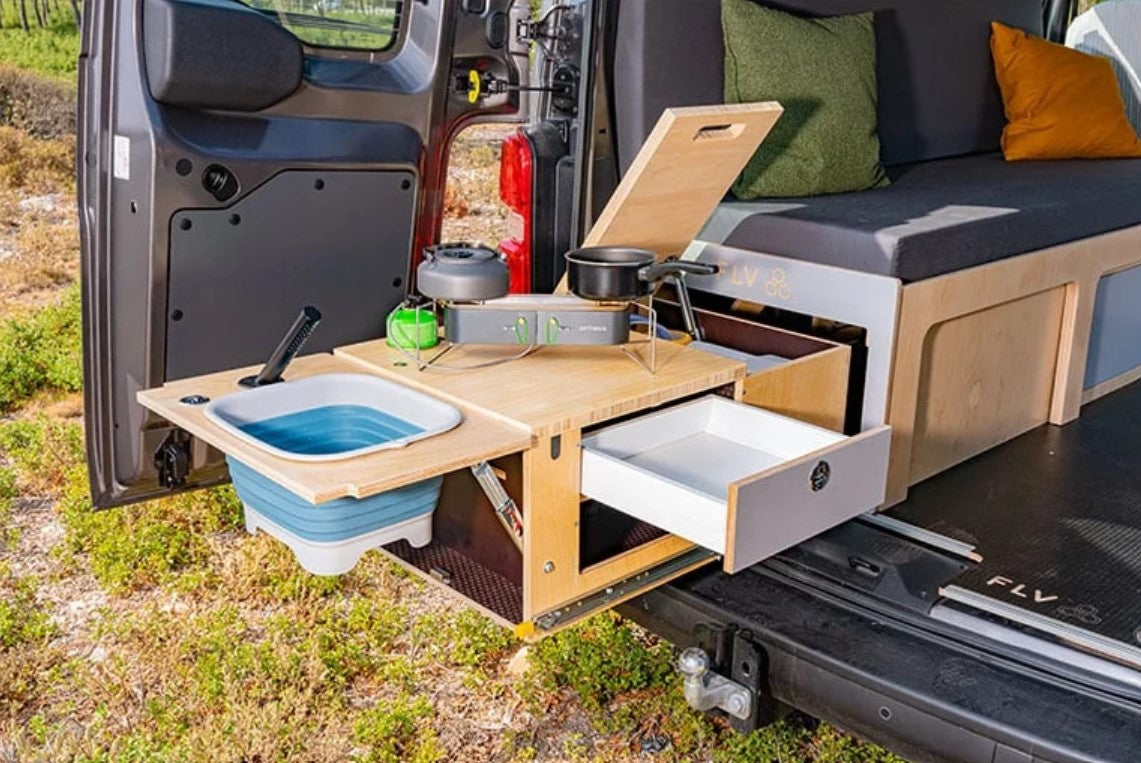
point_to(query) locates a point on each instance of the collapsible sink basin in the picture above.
(332, 416)
(329, 538)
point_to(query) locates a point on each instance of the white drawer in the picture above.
(741, 481)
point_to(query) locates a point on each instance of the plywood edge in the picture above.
(631, 562)
(657, 582)
(767, 112)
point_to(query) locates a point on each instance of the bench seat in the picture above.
(941, 216)
(990, 334)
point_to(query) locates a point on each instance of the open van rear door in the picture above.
(239, 161)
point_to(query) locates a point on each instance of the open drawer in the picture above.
(741, 481)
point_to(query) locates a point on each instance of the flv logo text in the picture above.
(773, 284)
(1021, 590)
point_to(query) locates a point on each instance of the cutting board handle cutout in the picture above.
(720, 132)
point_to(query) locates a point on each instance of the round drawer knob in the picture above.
(821, 474)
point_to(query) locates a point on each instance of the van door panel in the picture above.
(203, 228)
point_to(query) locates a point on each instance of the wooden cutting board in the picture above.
(681, 174)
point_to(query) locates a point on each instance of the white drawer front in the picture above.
(738, 480)
(780, 508)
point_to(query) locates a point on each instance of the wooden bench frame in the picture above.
(1074, 268)
(1055, 288)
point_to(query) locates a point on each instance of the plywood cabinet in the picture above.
(540, 420)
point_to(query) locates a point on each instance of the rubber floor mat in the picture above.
(1056, 516)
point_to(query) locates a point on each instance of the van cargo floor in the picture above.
(1056, 516)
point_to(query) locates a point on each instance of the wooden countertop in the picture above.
(554, 389)
(478, 438)
(505, 407)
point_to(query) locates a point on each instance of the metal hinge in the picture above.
(172, 459)
(527, 30)
(549, 27)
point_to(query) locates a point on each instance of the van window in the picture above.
(352, 24)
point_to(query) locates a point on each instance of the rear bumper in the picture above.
(921, 695)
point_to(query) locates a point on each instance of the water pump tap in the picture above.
(287, 350)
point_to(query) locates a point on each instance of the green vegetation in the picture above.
(40, 108)
(52, 49)
(8, 493)
(41, 352)
(600, 660)
(357, 24)
(396, 731)
(464, 640)
(239, 654)
(262, 660)
(126, 549)
(22, 620)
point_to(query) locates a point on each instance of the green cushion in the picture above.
(823, 71)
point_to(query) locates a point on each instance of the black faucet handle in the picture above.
(287, 349)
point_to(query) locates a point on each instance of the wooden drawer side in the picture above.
(813, 389)
(812, 386)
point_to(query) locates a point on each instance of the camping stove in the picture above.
(470, 284)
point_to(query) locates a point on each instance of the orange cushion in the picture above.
(1060, 103)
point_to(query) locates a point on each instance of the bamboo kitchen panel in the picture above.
(479, 437)
(680, 175)
(555, 389)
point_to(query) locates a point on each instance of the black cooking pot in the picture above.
(616, 273)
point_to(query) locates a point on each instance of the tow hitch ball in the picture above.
(705, 690)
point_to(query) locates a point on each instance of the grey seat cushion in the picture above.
(941, 216)
(937, 92)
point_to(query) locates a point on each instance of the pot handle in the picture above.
(653, 273)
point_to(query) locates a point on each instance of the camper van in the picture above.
(869, 453)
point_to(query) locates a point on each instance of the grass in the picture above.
(22, 620)
(39, 241)
(223, 649)
(125, 550)
(373, 24)
(52, 50)
(41, 352)
(8, 493)
(601, 660)
(397, 731)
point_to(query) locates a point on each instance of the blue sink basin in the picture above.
(330, 429)
(332, 416)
